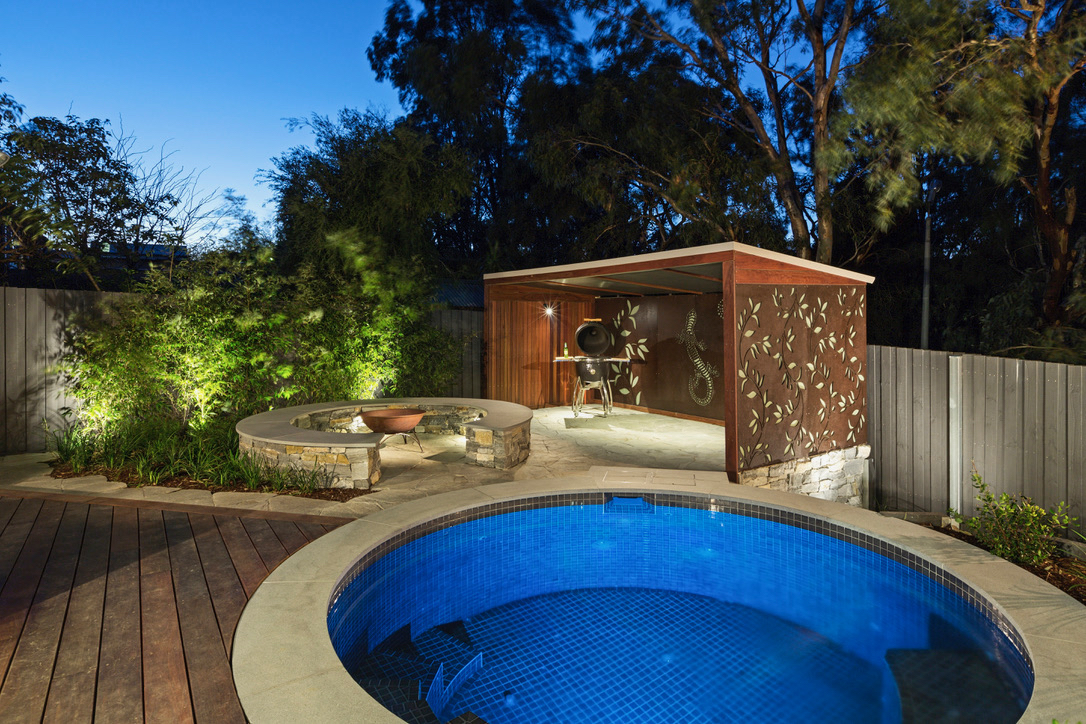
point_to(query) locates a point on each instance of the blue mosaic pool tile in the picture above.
(785, 563)
(436, 645)
(666, 657)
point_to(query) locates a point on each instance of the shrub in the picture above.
(1013, 527)
(154, 452)
(226, 336)
(164, 374)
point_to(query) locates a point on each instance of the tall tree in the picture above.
(629, 138)
(79, 193)
(459, 67)
(363, 205)
(984, 81)
(23, 226)
(772, 68)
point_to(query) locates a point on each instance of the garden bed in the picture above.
(133, 480)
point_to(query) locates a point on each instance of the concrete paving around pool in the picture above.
(562, 445)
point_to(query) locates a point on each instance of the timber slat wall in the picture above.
(34, 329)
(1023, 424)
(525, 372)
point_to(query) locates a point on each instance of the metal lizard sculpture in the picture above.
(703, 370)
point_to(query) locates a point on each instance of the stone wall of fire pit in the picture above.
(331, 436)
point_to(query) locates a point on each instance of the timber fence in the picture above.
(933, 415)
(36, 327)
(467, 325)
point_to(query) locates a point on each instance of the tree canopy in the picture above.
(75, 193)
(366, 202)
(986, 83)
(539, 133)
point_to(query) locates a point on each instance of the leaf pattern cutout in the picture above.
(802, 371)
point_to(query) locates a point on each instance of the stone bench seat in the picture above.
(497, 433)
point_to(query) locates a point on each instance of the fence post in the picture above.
(954, 427)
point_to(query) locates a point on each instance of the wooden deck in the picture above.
(124, 611)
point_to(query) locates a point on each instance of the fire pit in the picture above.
(395, 422)
(330, 436)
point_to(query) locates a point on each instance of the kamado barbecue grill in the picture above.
(593, 340)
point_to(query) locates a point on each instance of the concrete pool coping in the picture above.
(285, 669)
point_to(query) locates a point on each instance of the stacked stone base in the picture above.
(338, 445)
(498, 448)
(441, 420)
(341, 466)
(839, 476)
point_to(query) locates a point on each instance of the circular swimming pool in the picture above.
(287, 670)
(622, 607)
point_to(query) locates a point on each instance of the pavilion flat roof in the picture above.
(691, 270)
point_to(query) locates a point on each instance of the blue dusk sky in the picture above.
(211, 80)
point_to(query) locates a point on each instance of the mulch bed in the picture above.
(1065, 573)
(129, 478)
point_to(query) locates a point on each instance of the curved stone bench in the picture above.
(498, 435)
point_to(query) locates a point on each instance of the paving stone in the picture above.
(190, 497)
(627, 440)
(354, 508)
(396, 495)
(93, 485)
(295, 504)
(246, 501)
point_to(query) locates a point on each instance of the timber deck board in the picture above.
(124, 611)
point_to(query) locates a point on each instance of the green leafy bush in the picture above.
(1013, 527)
(226, 336)
(163, 374)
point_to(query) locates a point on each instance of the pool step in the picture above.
(467, 718)
(399, 697)
(398, 642)
(417, 679)
(453, 650)
(939, 685)
(458, 630)
(381, 665)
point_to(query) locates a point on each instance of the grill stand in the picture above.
(581, 388)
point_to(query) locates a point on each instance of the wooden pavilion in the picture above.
(770, 346)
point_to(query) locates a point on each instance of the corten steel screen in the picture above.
(675, 345)
(801, 363)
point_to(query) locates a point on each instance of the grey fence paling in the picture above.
(932, 415)
(465, 324)
(34, 328)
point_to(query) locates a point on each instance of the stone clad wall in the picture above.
(500, 449)
(839, 476)
(355, 461)
(344, 466)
